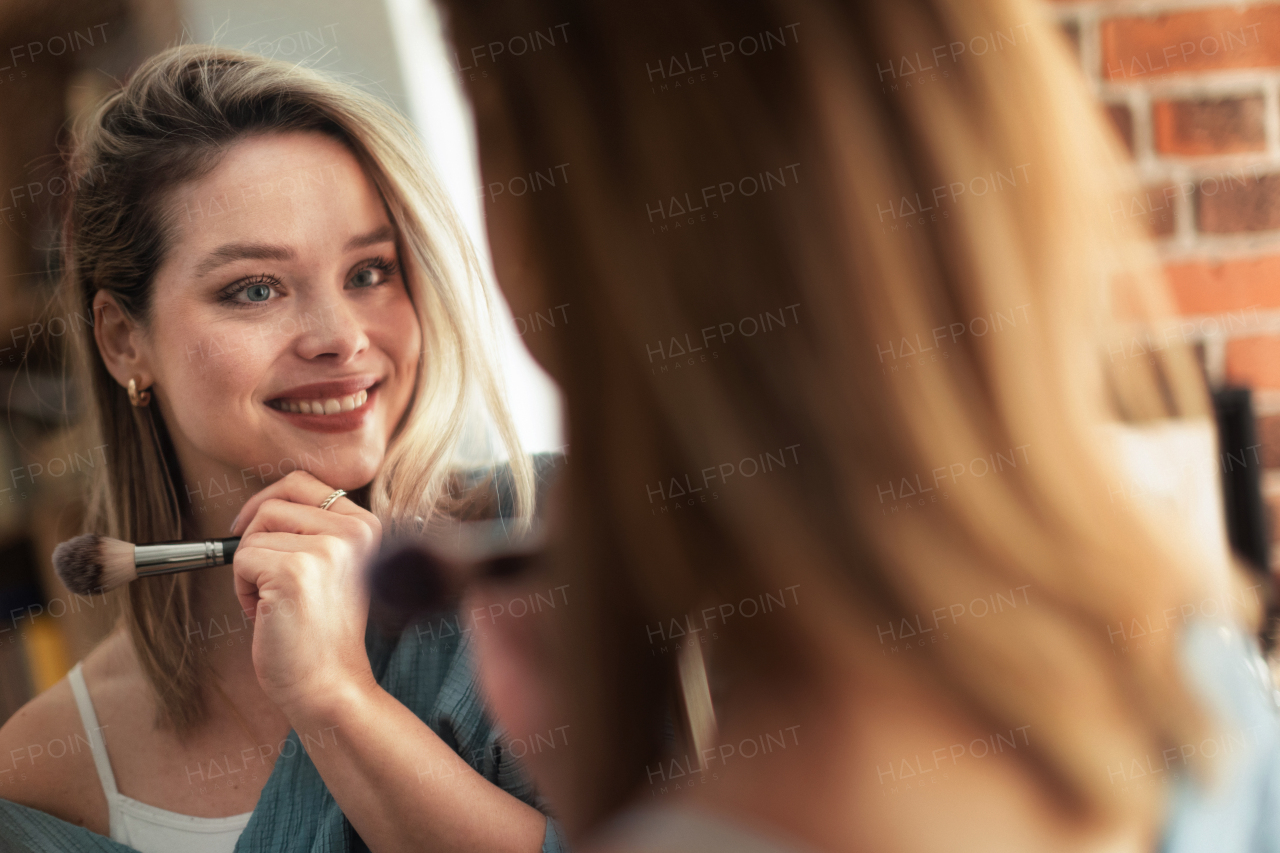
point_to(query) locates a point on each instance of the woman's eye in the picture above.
(257, 292)
(374, 272)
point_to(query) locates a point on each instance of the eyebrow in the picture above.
(230, 252)
(381, 234)
(224, 255)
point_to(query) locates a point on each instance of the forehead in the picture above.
(299, 188)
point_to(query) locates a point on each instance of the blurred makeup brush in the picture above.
(95, 563)
(430, 572)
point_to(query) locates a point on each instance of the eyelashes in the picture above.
(229, 294)
(388, 267)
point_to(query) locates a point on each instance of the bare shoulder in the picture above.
(45, 759)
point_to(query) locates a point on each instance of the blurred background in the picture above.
(1192, 89)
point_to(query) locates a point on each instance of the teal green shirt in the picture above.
(429, 668)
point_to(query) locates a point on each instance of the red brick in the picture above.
(1214, 39)
(1254, 361)
(1271, 498)
(1211, 287)
(1196, 128)
(1250, 204)
(1122, 120)
(1161, 221)
(1269, 435)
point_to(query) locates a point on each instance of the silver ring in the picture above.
(333, 497)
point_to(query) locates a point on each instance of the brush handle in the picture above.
(164, 558)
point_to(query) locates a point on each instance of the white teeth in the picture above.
(324, 407)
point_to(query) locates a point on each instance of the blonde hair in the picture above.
(170, 123)
(821, 243)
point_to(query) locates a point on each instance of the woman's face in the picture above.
(283, 335)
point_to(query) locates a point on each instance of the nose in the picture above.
(331, 329)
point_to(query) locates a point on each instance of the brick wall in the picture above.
(1194, 90)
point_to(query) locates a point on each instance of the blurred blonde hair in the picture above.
(170, 123)
(860, 142)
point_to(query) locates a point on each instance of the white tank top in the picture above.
(143, 827)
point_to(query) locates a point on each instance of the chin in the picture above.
(350, 477)
(334, 462)
(350, 483)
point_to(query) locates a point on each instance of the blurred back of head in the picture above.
(841, 325)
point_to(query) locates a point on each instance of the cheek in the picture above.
(410, 338)
(508, 671)
(402, 340)
(204, 373)
(512, 661)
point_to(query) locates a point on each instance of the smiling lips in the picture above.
(330, 406)
(335, 406)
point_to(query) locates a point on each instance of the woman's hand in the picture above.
(300, 570)
(299, 574)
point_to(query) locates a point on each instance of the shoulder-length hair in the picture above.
(170, 123)
(798, 260)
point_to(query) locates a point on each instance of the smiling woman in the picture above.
(285, 309)
(307, 286)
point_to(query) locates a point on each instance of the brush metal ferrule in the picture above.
(165, 557)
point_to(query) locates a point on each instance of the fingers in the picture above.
(322, 545)
(300, 487)
(330, 554)
(250, 568)
(250, 575)
(283, 521)
(276, 565)
(276, 515)
(247, 590)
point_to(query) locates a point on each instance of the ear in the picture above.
(120, 342)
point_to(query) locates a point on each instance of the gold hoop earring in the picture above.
(139, 398)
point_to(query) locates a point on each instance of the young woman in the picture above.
(850, 340)
(285, 308)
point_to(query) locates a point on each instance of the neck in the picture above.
(220, 624)
(792, 783)
(861, 763)
(212, 519)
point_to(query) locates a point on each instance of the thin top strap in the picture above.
(90, 720)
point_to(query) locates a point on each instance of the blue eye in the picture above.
(256, 291)
(374, 272)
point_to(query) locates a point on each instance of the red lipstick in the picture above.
(339, 405)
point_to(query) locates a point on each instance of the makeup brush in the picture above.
(431, 571)
(95, 563)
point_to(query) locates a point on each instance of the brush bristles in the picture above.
(94, 563)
